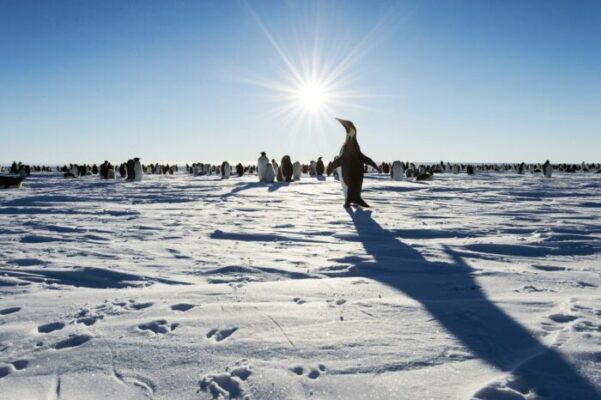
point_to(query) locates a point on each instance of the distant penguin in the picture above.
(296, 171)
(130, 170)
(262, 166)
(470, 170)
(547, 169)
(269, 174)
(521, 168)
(138, 172)
(287, 168)
(280, 174)
(351, 161)
(239, 169)
(226, 170)
(312, 168)
(110, 173)
(275, 165)
(455, 169)
(426, 176)
(319, 167)
(396, 173)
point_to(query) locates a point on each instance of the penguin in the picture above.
(319, 167)
(138, 173)
(226, 170)
(470, 170)
(11, 182)
(287, 168)
(312, 168)
(130, 169)
(262, 166)
(269, 174)
(396, 173)
(239, 169)
(351, 162)
(275, 166)
(426, 176)
(547, 169)
(521, 168)
(123, 170)
(296, 171)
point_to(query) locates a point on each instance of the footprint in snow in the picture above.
(313, 373)
(51, 327)
(562, 318)
(159, 326)
(10, 310)
(221, 334)
(182, 307)
(72, 341)
(229, 385)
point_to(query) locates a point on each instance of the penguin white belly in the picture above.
(269, 173)
(227, 170)
(296, 171)
(110, 174)
(397, 171)
(342, 183)
(138, 172)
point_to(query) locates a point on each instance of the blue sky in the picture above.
(84, 81)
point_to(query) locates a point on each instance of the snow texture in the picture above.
(184, 287)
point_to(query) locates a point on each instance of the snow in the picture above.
(184, 287)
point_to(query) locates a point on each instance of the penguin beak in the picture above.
(348, 126)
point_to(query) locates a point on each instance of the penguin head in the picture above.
(263, 154)
(351, 131)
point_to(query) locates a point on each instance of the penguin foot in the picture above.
(347, 205)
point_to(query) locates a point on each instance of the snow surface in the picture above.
(182, 287)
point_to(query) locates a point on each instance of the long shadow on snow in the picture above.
(452, 296)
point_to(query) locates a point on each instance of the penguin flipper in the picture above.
(333, 165)
(369, 161)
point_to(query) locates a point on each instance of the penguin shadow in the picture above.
(242, 187)
(276, 185)
(449, 292)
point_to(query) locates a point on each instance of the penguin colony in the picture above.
(349, 167)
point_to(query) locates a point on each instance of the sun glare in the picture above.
(312, 96)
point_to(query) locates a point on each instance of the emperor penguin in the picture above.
(239, 169)
(226, 170)
(351, 162)
(547, 169)
(319, 167)
(275, 165)
(262, 166)
(296, 171)
(397, 171)
(455, 169)
(313, 168)
(138, 172)
(287, 168)
(269, 174)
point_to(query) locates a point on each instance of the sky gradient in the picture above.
(85, 81)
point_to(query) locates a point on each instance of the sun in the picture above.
(312, 96)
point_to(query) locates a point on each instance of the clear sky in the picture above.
(84, 81)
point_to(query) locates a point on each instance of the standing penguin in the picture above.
(351, 162)
(547, 169)
(287, 168)
(239, 169)
(269, 174)
(319, 167)
(226, 170)
(312, 168)
(397, 171)
(130, 170)
(296, 171)
(138, 172)
(261, 166)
